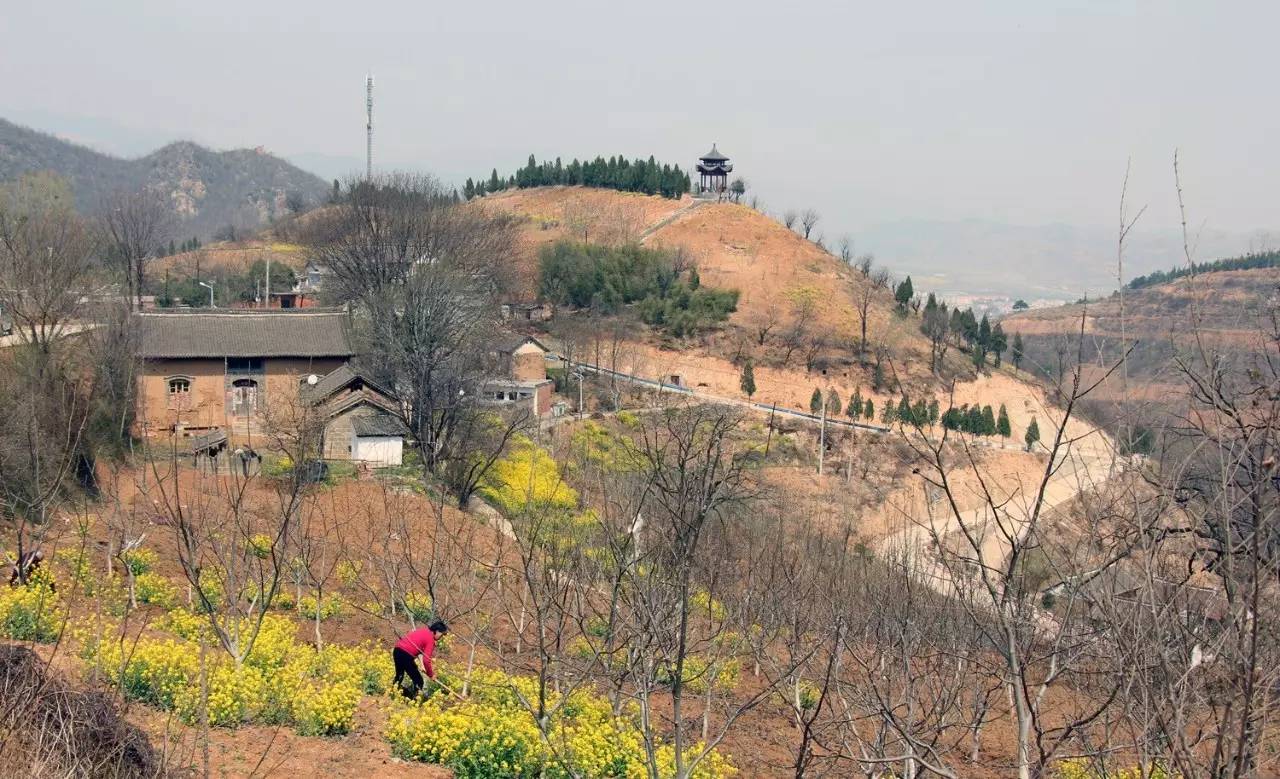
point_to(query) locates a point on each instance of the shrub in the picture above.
(1080, 768)
(326, 607)
(153, 589)
(139, 561)
(419, 607)
(260, 545)
(32, 612)
(491, 734)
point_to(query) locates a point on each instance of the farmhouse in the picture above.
(225, 369)
(522, 360)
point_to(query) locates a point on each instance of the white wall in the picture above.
(378, 450)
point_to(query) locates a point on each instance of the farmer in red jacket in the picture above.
(421, 641)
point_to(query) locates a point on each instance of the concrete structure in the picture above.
(227, 370)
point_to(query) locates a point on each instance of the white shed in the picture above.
(377, 440)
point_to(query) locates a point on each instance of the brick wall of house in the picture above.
(207, 403)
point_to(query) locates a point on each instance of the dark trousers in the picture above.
(405, 666)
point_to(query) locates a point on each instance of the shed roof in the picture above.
(510, 345)
(377, 425)
(231, 333)
(337, 379)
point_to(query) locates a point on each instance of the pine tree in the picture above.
(933, 412)
(1002, 423)
(815, 402)
(999, 343)
(889, 414)
(1033, 434)
(870, 411)
(833, 402)
(920, 413)
(988, 421)
(973, 420)
(877, 377)
(855, 404)
(748, 382)
(1017, 350)
(495, 183)
(903, 294)
(904, 410)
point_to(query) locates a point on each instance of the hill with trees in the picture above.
(639, 175)
(211, 193)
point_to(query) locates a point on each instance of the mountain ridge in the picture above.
(208, 190)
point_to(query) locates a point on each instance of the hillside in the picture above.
(777, 273)
(1224, 313)
(208, 190)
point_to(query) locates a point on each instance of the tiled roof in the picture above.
(377, 424)
(228, 333)
(337, 379)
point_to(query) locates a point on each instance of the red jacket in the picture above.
(420, 642)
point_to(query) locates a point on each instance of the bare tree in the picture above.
(136, 225)
(789, 218)
(846, 249)
(809, 219)
(424, 275)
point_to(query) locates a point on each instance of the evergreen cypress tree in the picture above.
(904, 410)
(877, 377)
(495, 183)
(1032, 435)
(855, 404)
(933, 412)
(815, 402)
(920, 413)
(870, 411)
(1002, 423)
(973, 420)
(998, 342)
(748, 382)
(988, 421)
(833, 402)
(903, 294)
(889, 414)
(1017, 350)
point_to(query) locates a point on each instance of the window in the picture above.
(244, 396)
(179, 392)
(244, 365)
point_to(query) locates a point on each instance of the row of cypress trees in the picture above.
(638, 175)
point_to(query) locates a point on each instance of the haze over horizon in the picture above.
(1013, 114)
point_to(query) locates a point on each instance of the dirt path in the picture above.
(1082, 464)
(681, 212)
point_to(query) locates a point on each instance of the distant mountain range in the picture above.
(208, 190)
(1059, 261)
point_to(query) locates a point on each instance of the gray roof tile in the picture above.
(230, 333)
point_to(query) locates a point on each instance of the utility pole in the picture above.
(822, 435)
(368, 165)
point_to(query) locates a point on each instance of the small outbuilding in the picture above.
(361, 418)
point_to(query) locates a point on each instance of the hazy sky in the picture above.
(1019, 112)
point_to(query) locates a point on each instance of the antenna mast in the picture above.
(368, 173)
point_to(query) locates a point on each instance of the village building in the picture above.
(361, 418)
(223, 369)
(517, 311)
(523, 382)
